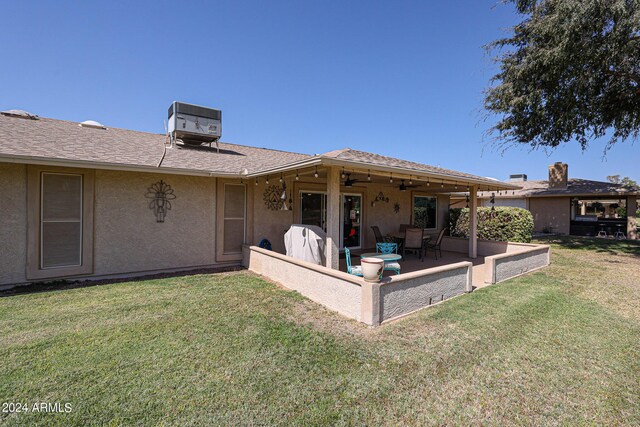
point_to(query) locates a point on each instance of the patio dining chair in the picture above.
(377, 233)
(413, 241)
(435, 247)
(389, 248)
(356, 270)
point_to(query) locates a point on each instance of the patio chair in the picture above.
(403, 227)
(436, 246)
(356, 270)
(377, 233)
(389, 248)
(413, 241)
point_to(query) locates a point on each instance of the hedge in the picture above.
(505, 224)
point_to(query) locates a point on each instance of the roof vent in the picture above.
(19, 113)
(92, 124)
(518, 177)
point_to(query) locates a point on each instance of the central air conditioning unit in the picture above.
(193, 124)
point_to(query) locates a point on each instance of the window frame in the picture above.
(34, 267)
(221, 255)
(413, 205)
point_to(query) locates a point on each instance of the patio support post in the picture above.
(632, 221)
(333, 217)
(473, 222)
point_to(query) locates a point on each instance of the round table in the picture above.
(384, 257)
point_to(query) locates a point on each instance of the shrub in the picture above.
(503, 224)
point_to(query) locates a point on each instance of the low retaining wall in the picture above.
(406, 293)
(503, 260)
(370, 303)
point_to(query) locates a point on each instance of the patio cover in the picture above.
(306, 242)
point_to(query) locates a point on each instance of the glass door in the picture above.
(351, 221)
(313, 209)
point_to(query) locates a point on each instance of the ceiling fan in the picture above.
(349, 182)
(403, 186)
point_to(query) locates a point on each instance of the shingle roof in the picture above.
(64, 140)
(373, 159)
(59, 140)
(574, 187)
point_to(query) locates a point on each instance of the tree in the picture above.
(569, 71)
(626, 181)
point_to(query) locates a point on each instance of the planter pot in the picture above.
(372, 269)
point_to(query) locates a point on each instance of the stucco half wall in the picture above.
(351, 296)
(503, 260)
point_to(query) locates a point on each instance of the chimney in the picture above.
(520, 177)
(558, 175)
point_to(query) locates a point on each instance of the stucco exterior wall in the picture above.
(517, 264)
(403, 295)
(334, 289)
(13, 227)
(270, 224)
(128, 238)
(552, 212)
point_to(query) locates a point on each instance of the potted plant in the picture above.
(372, 269)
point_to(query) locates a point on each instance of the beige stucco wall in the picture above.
(127, 237)
(334, 289)
(503, 267)
(13, 226)
(268, 223)
(410, 292)
(551, 212)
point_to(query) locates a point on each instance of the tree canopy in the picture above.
(570, 71)
(626, 181)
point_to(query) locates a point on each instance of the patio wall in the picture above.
(370, 303)
(503, 260)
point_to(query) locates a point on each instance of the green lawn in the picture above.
(560, 346)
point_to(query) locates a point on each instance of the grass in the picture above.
(560, 346)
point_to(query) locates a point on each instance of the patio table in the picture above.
(384, 257)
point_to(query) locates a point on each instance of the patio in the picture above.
(411, 263)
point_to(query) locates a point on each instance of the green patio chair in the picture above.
(389, 248)
(356, 270)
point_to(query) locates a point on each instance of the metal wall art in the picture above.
(396, 207)
(379, 198)
(160, 194)
(273, 197)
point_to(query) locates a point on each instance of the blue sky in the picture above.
(399, 78)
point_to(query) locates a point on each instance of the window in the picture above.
(425, 210)
(60, 222)
(234, 218)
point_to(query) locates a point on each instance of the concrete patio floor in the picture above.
(413, 263)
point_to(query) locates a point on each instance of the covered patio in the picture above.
(346, 193)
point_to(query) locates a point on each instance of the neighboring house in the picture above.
(570, 205)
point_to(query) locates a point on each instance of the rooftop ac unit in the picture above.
(193, 124)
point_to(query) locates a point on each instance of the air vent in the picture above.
(20, 114)
(92, 124)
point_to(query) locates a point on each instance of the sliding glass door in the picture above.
(313, 211)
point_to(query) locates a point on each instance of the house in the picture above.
(82, 200)
(570, 206)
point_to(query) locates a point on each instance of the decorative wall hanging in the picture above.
(160, 194)
(396, 207)
(379, 198)
(273, 197)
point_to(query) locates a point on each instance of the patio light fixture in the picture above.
(343, 176)
(256, 181)
(442, 183)
(410, 180)
(467, 200)
(428, 183)
(368, 175)
(280, 177)
(267, 181)
(316, 174)
(297, 177)
(391, 178)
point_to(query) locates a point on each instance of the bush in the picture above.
(503, 224)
